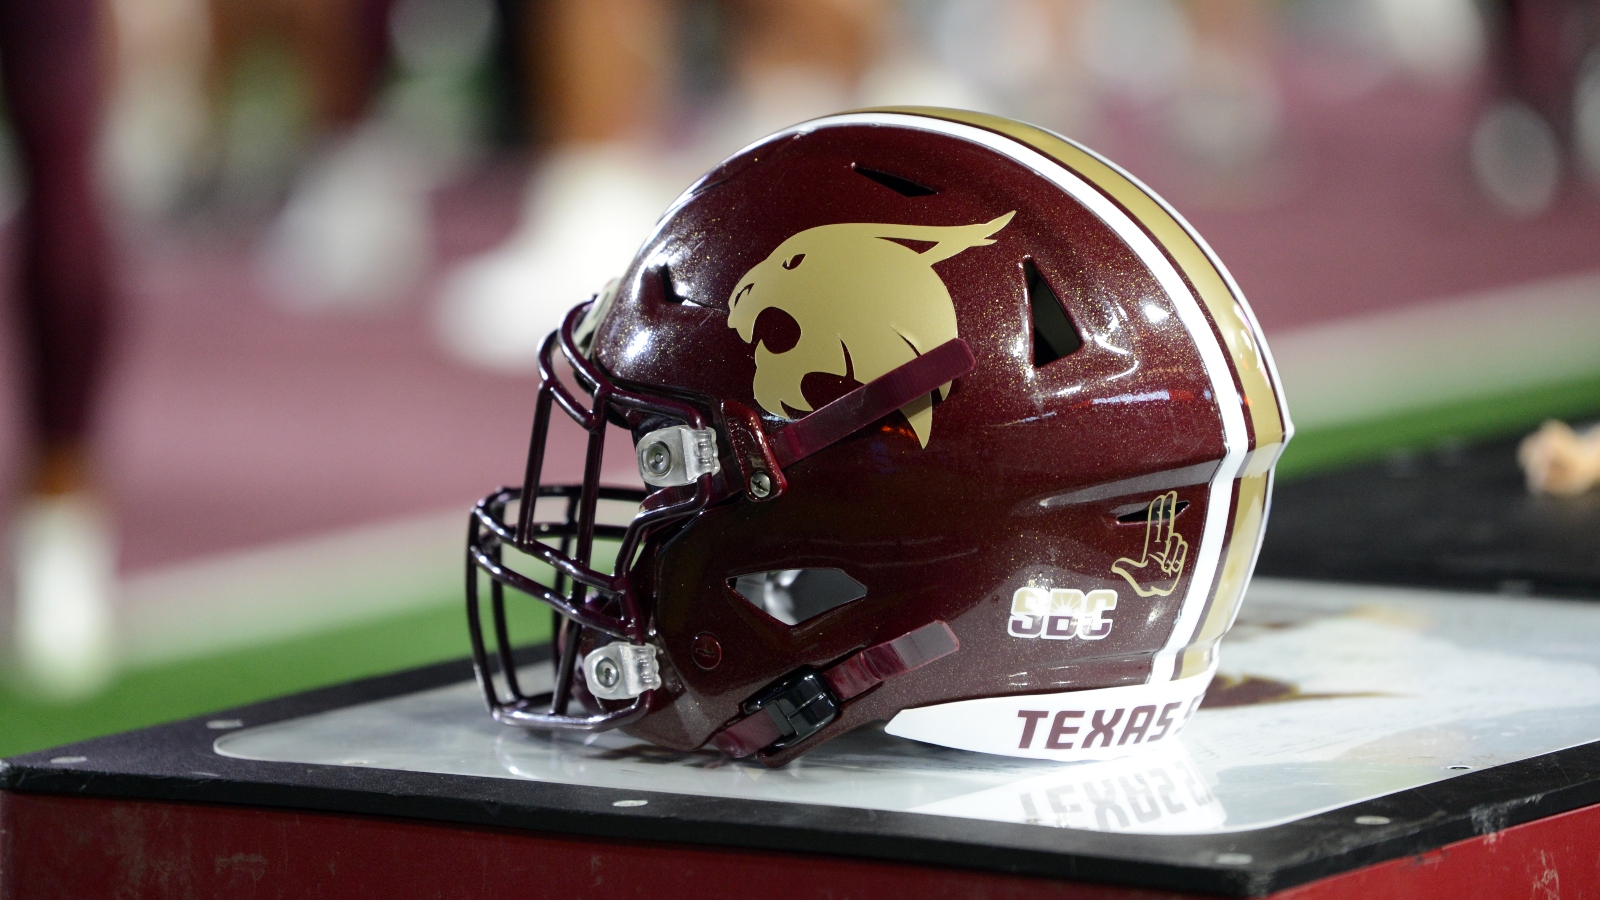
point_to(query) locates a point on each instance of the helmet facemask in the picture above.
(583, 598)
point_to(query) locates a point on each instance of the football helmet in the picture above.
(943, 420)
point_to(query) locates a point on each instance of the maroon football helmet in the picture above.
(944, 420)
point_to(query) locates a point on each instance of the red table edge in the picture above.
(54, 845)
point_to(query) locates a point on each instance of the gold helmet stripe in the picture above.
(1244, 541)
(1261, 393)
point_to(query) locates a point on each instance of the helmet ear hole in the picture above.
(1054, 335)
(793, 596)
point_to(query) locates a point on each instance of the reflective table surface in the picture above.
(1327, 695)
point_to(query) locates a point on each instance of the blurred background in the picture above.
(275, 270)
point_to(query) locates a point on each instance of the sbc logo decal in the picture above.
(1061, 615)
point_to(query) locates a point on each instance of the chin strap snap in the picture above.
(805, 702)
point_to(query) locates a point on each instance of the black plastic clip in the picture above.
(799, 707)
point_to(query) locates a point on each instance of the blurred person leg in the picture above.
(794, 60)
(912, 67)
(157, 115)
(344, 47)
(1586, 115)
(63, 547)
(339, 49)
(1017, 58)
(1227, 115)
(356, 231)
(605, 80)
(608, 77)
(284, 75)
(1197, 81)
(389, 88)
(1535, 59)
(259, 112)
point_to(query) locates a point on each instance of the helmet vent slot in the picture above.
(669, 291)
(793, 596)
(905, 187)
(1054, 335)
(1139, 513)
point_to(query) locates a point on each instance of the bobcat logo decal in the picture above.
(864, 303)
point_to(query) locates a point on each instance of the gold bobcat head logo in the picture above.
(852, 289)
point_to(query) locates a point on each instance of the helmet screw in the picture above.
(706, 650)
(760, 485)
(658, 458)
(606, 672)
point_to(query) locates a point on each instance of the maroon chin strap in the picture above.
(762, 456)
(871, 401)
(851, 677)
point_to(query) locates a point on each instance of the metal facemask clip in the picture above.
(621, 671)
(676, 456)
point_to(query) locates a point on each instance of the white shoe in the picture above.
(588, 211)
(1516, 158)
(1227, 116)
(64, 562)
(357, 229)
(1586, 119)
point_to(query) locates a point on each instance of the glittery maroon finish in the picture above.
(1023, 480)
(949, 531)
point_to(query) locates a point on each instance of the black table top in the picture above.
(1456, 516)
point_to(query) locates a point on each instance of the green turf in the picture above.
(189, 688)
(178, 690)
(1493, 416)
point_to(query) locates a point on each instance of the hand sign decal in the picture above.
(1156, 572)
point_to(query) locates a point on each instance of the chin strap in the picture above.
(801, 705)
(872, 401)
(762, 456)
